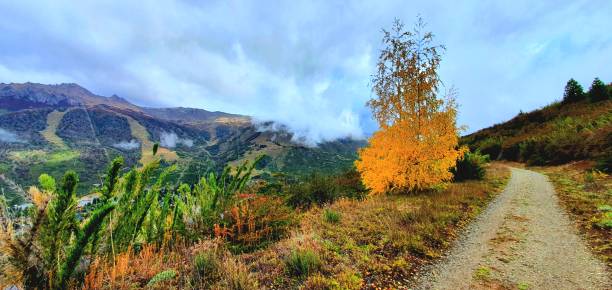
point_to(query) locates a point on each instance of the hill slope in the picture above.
(53, 128)
(555, 134)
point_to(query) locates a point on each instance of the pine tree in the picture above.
(598, 91)
(573, 92)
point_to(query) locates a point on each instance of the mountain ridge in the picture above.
(52, 128)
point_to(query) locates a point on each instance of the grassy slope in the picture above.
(381, 241)
(572, 131)
(588, 198)
(146, 145)
(53, 120)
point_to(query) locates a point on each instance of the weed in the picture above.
(161, 277)
(331, 216)
(483, 273)
(301, 263)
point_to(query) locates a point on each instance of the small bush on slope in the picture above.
(303, 262)
(470, 166)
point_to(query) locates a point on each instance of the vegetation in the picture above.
(470, 166)
(417, 143)
(576, 129)
(573, 92)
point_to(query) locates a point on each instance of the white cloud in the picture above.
(125, 145)
(305, 64)
(9, 137)
(171, 140)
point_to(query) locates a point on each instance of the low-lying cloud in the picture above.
(125, 145)
(9, 137)
(171, 140)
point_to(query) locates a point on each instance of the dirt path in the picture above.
(523, 240)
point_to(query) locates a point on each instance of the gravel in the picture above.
(522, 240)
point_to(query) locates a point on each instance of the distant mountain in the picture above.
(54, 128)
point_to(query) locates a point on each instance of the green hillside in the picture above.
(578, 127)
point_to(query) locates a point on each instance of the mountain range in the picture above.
(54, 128)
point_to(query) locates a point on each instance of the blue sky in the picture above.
(305, 64)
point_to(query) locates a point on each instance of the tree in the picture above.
(573, 92)
(417, 143)
(598, 91)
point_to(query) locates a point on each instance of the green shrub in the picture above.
(162, 276)
(604, 163)
(471, 166)
(319, 189)
(205, 267)
(491, 147)
(301, 263)
(316, 189)
(331, 216)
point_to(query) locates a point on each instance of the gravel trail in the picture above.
(523, 240)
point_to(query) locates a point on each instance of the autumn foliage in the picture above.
(417, 143)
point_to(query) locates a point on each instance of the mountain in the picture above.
(555, 134)
(54, 128)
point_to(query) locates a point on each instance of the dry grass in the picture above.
(146, 145)
(381, 241)
(588, 198)
(53, 120)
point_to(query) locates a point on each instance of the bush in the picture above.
(255, 221)
(316, 189)
(604, 163)
(302, 263)
(162, 276)
(331, 216)
(319, 190)
(205, 267)
(471, 166)
(491, 147)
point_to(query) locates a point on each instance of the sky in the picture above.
(304, 64)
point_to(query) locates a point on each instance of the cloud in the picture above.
(305, 64)
(125, 145)
(9, 137)
(171, 140)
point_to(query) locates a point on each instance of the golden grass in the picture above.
(146, 145)
(53, 120)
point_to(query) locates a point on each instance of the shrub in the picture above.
(301, 263)
(236, 276)
(604, 163)
(470, 166)
(350, 185)
(331, 216)
(254, 222)
(491, 147)
(162, 276)
(316, 189)
(205, 267)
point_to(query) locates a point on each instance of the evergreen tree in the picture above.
(573, 92)
(598, 91)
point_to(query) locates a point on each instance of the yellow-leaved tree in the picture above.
(417, 143)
